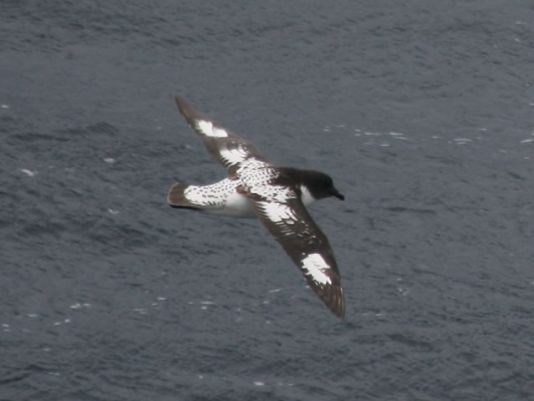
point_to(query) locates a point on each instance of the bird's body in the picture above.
(276, 195)
(221, 197)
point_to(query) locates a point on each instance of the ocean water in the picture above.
(421, 111)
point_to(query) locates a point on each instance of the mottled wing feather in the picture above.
(225, 146)
(289, 222)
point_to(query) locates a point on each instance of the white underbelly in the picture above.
(236, 205)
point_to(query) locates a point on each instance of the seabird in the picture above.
(276, 195)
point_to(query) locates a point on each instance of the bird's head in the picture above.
(322, 186)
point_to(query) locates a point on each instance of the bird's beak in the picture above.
(337, 194)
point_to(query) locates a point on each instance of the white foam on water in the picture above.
(282, 384)
(380, 314)
(403, 291)
(80, 305)
(398, 136)
(462, 141)
(28, 172)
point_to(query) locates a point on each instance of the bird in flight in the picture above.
(278, 196)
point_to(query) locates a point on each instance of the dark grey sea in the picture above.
(421, 111)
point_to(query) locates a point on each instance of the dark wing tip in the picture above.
(175, 196)
(333, 298)
(339, 305)
(186, 110)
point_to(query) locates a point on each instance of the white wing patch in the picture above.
(234, 156)
(315, 266)
(278, 212)
(208, 129)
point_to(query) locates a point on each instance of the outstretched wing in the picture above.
(286, 218)
(225, 146)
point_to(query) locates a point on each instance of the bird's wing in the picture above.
(286, 218)
(225, 146)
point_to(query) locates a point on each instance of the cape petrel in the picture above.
(276, 195)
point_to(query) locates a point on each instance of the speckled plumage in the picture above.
(276, 195)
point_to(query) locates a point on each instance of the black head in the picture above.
(319, 184)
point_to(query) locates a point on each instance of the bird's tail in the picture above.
(176, 197)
